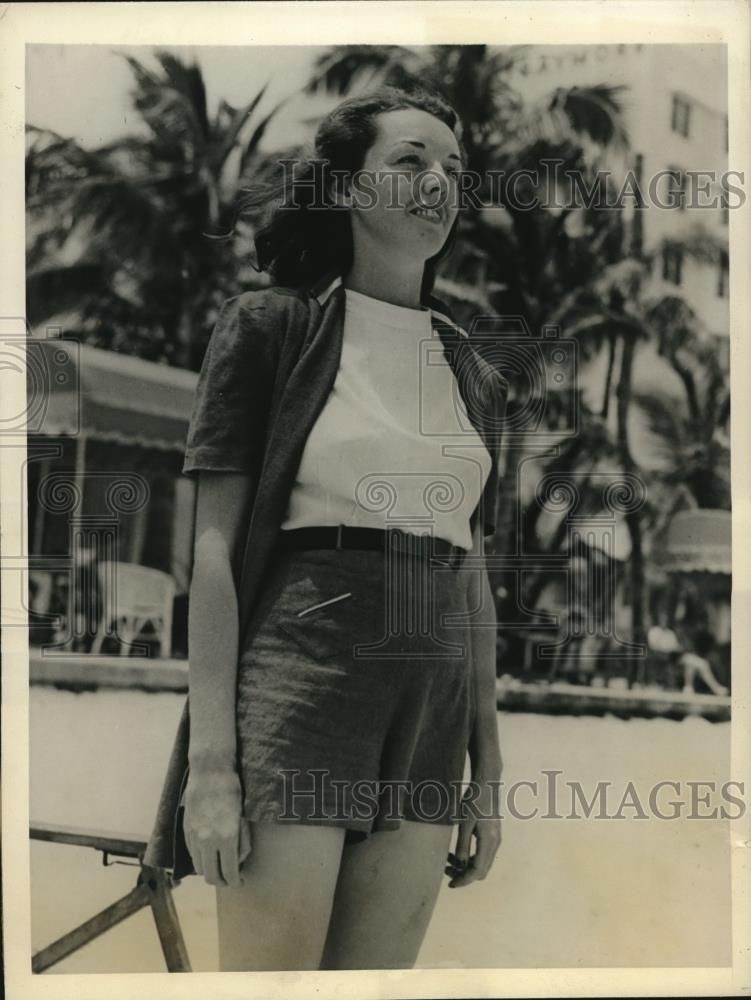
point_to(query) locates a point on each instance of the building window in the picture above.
(676, 181)
(722, 276)
(680, 117)
(672, 264)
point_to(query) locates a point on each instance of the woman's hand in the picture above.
(216, 835)
(481, 820)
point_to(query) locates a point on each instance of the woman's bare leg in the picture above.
(700, 667)
(278, 918)
(385, 896)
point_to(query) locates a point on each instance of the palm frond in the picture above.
(698, 243)
(254, 141)
(172, 109)
(463, 292)
(342, 67)
(187, 80)
(666, 421)
(51, 290)
(229, 134)
(595, 111)
(677, 326)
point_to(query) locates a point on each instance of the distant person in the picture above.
(310, 390)
(665, 654)
(697, 664)
(662, 639)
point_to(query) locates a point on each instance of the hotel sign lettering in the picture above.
(545, 62)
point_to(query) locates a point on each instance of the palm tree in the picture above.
(128, 243)
(693, 437)
(619, 310)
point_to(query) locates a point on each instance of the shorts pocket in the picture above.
(327, 625)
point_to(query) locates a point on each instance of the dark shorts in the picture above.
(355, 697)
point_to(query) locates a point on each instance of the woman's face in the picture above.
(405, 201)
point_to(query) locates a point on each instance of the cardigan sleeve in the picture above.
(227, 428)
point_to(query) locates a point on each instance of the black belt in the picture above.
(344, 536)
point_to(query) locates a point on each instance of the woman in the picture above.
(344, 487)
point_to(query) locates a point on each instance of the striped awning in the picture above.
(74, 389)
(698, 541)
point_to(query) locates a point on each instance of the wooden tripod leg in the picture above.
(75, 939)
(166, 920)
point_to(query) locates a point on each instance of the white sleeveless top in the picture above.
(393, 446)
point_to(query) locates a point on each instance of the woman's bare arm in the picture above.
(213, 795)
(213, 617)
(484, 745)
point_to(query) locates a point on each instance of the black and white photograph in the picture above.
(372, 505)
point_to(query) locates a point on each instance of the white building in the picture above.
(674, 101)
(675, 109)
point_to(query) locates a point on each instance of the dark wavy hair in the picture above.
(299, 244)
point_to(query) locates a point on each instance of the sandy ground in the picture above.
(562, 893)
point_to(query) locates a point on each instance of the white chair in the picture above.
(133, 597)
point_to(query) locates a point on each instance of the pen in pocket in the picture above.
(323, 604)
